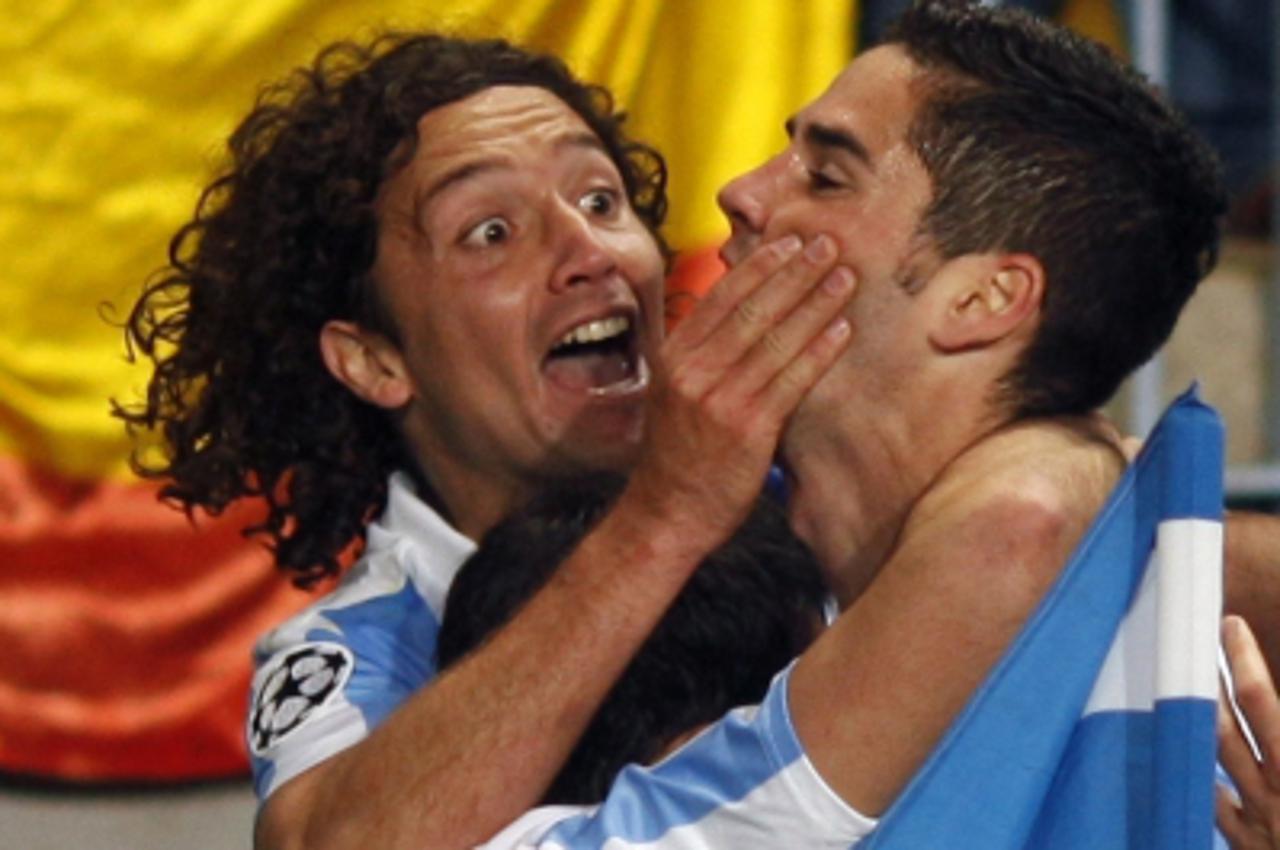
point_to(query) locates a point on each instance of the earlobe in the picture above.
(366, 363)
(996, 296)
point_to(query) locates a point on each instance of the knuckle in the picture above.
(796, 380)
(1252, 694)
(749, 314)
(721, 410)
(681, 384)
(774, 342)
(1225, 724)
(752, 422)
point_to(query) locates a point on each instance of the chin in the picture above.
(603, 450)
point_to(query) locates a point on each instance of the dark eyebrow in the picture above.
(826, 136)
(471, 169)
(585, 139)
(450, 178)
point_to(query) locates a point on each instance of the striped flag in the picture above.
(1096, 730)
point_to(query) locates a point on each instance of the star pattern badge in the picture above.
(300, 682)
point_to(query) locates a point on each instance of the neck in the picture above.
(472, 499)
(472, 507)
(857, 471)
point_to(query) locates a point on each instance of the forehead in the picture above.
(496, 120)
(873, 96)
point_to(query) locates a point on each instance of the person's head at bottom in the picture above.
(752, 606)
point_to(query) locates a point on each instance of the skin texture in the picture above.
(1249, 816)
(924, 502)
(940, 521)
(922, 491)
(1253, 574)
(723, 384)
(508, 228)
(976, 553)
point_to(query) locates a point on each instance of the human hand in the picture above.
(730, 374)
(1250, 821)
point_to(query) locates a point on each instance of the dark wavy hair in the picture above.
(281, 242)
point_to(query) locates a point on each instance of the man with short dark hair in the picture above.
(948, 464)
(1026, 217)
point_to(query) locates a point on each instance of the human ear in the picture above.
(990, 297)
(366, 363)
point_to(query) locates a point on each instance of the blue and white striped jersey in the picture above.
(332, 673)
(743, 782)
(329, 675)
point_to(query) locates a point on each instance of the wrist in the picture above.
(665, 531)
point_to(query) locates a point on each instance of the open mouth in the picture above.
(600, 357)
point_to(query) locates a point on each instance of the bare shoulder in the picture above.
(1061, 468)
(1018, 501)
(973, 559)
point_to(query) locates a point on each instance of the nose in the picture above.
(583, 251)
(746, 202)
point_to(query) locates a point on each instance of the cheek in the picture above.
(641, 262)
(465, 333)
(634, 245)
(796, 213)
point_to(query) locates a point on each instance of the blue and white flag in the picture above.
(1097, 728)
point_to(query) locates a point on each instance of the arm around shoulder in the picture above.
(876, 693)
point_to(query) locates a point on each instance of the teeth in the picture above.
(600, 329)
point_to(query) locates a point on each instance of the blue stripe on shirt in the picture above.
(722, 765)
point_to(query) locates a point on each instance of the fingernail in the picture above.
(788, 245)
(840, 281)
(839, 329)
(820, 249)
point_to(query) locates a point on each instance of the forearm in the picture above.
(874, 695)
(478, 747)
(472, 751)
(1253, 577)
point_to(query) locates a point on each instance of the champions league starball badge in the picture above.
(298, 683)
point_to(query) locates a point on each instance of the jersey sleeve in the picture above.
(324, 681)
(743, 782)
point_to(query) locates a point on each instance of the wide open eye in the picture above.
(599, 202)
(491, 231)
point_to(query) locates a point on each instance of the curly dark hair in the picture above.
(281, 242)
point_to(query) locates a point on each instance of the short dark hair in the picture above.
(752, 606)
(282, 242)
(1039, 140)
